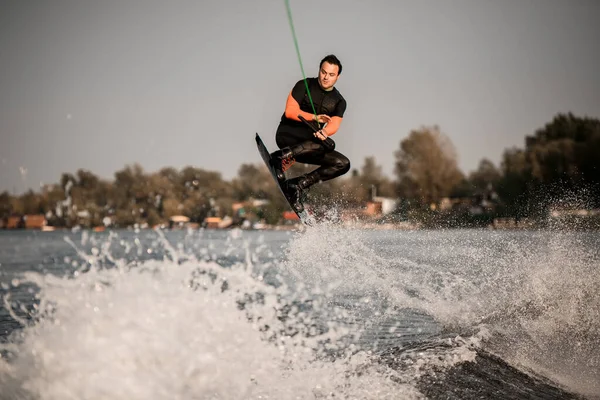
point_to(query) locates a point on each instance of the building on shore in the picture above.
(30, 221)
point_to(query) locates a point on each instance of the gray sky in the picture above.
(101, 84)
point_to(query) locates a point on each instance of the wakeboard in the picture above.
(305, 215)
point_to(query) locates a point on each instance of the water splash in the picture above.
(181, 328)
(535, 293)
(235, 317)
(552, 323)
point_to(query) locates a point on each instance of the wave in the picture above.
(330, 313)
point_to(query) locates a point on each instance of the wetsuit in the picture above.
(295, 134)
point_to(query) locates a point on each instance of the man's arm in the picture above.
(333, 125)
(336, 118)
(292, 110)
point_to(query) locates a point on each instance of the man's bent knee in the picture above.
(342, 165)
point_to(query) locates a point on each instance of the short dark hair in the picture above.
(331, 59)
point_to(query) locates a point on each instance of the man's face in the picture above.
(328, 75)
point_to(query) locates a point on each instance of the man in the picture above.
(298, 142)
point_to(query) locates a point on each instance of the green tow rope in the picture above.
(291, 21)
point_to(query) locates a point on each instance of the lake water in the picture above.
(324, 313)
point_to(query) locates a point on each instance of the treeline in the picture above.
(558, 167)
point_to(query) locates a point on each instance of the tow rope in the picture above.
(291, 21)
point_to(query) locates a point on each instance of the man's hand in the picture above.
(321, 134)
(323, 119)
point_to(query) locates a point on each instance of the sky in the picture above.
(99, 85)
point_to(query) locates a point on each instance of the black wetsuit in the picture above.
(291, 133)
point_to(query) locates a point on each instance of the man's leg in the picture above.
(308, 150)
(333, 164)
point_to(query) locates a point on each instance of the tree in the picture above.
(486, 176)
(426, 166)
(254, 181)
(129, 186)
(130, 195)
(90, 193)
(562, 159)
(361, 186)
(67, 181)
(373, 179)
(5, 205)
(513, 186)
(31, 203)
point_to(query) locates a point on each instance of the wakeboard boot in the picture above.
(296, 189)
(282, 160)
